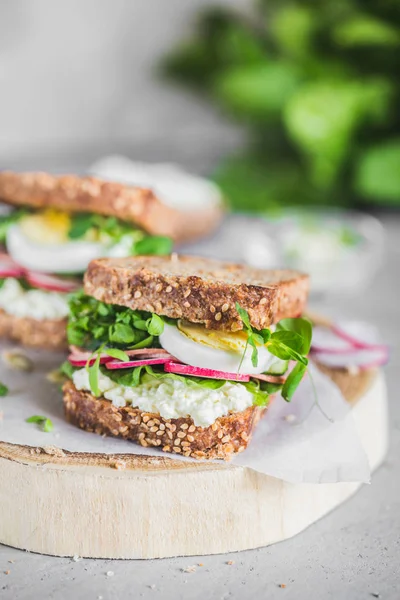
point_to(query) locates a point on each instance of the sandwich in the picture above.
(183, 353)
(57, 224)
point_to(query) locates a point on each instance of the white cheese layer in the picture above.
(35, 304)
(172, 398)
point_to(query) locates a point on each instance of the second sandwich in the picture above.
(183, 353)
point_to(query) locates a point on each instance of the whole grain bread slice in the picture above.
(89, 194)
(224, 438)
(198, 290)
(49, 334)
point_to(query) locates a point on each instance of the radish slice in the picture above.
(140, 352)
(358, 333)
(363, 358)
(325, 339)
(51, 283)
(79, 361)
(180, 369)
(118, 364)
(9, 268)
(10, 271)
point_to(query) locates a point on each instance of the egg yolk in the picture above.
(221, 340)
(49, 226)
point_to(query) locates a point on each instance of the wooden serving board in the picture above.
(127, 506)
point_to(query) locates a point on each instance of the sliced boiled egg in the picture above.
(49, 226)
(209, 349)
(38, 249)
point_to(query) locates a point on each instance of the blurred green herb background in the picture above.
(317, 87)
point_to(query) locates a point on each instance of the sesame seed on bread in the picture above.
(224, 438)
(88, 194)
(198, 290)
(48, 334)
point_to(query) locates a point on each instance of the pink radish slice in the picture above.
(119, 364)
(325, 339)
(51, 283)
(140, 352)
(78, 361)
(180, 369)
(358, 333)
(362, 358)
(10, 271)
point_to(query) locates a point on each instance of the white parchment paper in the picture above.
(297, 442)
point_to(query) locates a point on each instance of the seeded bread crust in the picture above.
(89, 194)
(198, 290)
(227, 436)
(49, 334)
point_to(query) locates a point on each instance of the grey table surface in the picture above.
(354, 552)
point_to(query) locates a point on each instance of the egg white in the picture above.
(67, 257)
(201, 355)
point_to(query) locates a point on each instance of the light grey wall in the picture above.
(75, 73)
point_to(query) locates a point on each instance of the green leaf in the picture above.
(9, 219)
(40, 420)
(292, 27)
(154, 244)
(67, 369)
(290, 339)
(265, 335)
(244, 315)
(257, 91)
(284, 352)
(80, 225)
(116, 353)
(93, 371)
(92, 325)
(365, 30)
(122, 334)
(300, 326)
(146, 343)
(293, 381)
(254, 353)
(3, 389)
(156, 325)
(48, 426)
(377, 175)
(321, 118)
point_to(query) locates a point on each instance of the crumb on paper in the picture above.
(7, 572)
(375, 595)
(201, 564)
(18, 361)
(190, 569)
(230, 562)
(282, 585)
(76, 558)
(291, 418)
(11, 562)
(55, 376)
(152, 586)
(110, 573)
(120, 465)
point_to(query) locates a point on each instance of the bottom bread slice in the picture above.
(48, 333)
(227, 436)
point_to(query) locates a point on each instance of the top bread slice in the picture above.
(89, 194)
(198, 290)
